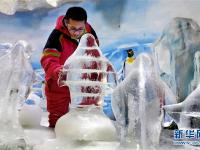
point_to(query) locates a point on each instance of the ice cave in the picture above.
(155, 107)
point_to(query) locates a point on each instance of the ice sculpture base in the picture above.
(37, 136)
(88, 123)
(11, 136)
(78, 145)
(43, 138)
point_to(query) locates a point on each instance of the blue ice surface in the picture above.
(29, 102)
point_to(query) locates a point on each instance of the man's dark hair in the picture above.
(76, 13)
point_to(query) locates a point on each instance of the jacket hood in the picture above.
(60, 25)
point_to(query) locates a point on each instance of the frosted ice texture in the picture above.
(30, 113)
(16, 77)
(175, 51)
(137, 102)
(196, 78)
(54, 144)
(30, 116)
(88, 74)
(9, 7)
(187, 113)
(85, 124)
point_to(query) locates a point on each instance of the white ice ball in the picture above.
(88, 124)
(35, 98)
(30, 115)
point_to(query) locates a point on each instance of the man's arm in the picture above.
(51, 53)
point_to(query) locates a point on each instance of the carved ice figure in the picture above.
(175, 52)
(89, 76)
(16, 78)
(137, 102)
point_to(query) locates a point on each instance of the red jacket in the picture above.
(58, 48)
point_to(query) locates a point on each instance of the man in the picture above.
(61, 43)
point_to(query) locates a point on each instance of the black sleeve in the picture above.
(95, 35)
(53, 41)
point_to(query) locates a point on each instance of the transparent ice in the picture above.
(89, 76)
(196, 78)
(187, 113)
(137, 105)
(175, 52)
(16, 78)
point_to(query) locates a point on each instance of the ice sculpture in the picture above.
(187, 113)
(175, 51)
(9, 7)
(16, 77)
(196, 78)
(89, 76)
(30, 114)
(137, 102)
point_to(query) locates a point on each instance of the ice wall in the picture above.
(175, 51)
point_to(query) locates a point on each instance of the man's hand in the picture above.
(56, 72)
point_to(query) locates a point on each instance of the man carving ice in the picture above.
(61, 43)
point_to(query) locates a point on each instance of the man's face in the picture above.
(75, 28)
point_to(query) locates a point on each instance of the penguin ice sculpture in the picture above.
(137, 102)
